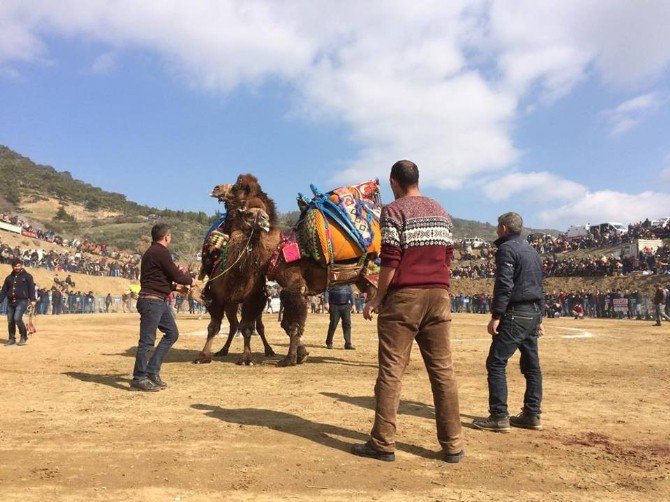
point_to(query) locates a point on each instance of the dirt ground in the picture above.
(72, 430)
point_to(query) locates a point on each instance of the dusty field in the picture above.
(72, 430)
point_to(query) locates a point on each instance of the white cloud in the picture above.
(540, 186)
(105, 63)
(630, 113)
(438, 82)
(607, 205)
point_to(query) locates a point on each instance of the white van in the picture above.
(610, 227)
(473, 242)
(576, 231)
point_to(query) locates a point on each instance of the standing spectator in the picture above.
(19, 289)
(340, 302)
(516, 323)
(108, 302)
(158, 274)
(660, 299)
(56, 301)
(413, 298)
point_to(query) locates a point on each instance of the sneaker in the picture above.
(157, 381)
(366, 450)
(329, 345)
(453, 458)
(348, 346)
(491, 423)
(22, 341)
(144, 385)
(526, 421)
(11, 341)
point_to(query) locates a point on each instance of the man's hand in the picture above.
(370, 307)
(493, 327)
(540, 329)
(181, 289)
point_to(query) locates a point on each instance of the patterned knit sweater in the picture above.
(416, 241)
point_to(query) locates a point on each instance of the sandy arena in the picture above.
(72, 430)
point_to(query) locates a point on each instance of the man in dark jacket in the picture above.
(158, 274)
(516, 323)
(19, 289)
(340, 302)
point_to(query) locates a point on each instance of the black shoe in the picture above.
(348, 346)
(22, 341)
(12, 341)
(526, 421)
(329, 345)
(491, 423)
(144, 385)
(454, 458)
(366, 450)
(156, 380)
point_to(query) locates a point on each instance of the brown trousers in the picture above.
(424, 314)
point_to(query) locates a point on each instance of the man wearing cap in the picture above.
(19, 289)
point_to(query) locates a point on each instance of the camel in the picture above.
(250, 224)
(298, 279)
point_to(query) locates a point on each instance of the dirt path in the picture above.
(71, 429)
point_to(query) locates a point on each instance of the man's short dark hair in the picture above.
(512, 221)
(16, 261)
(159, 230)
(406, 173)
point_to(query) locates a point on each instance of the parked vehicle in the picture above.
(473, 242)
(576, 231)
(610, 227)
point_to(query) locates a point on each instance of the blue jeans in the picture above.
(15, 313)
(338, 312)
(517, 330)
(154, 314)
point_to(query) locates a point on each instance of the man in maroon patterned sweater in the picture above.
(413, 303)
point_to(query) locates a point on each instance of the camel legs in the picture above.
(216, 311)
(231, 315)
(252, 309)
(293, 322)
(260, 328)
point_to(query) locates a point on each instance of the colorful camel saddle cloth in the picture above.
(340, 225)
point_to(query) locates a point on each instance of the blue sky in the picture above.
(558, 111)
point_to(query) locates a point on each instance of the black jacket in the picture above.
(18, 287)
(340, 295)
(518, 274)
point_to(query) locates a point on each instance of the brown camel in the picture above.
(250, 223)
(298, 279)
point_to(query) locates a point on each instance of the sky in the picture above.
(558, 110)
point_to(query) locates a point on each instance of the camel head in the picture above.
(254, 218)
(221, 192)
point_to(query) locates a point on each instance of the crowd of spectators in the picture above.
(80, 256)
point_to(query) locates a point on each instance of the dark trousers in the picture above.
(15, 311)
(517, 330)
(423, 315)
(338, 312)
(154, 314)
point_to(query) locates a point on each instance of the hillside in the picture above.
(72, 208)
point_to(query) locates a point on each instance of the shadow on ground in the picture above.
(323, 434)
(414, 408)
(116, 381)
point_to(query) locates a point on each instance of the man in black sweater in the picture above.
(516, 323)
(158, 274)
(19, 289)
